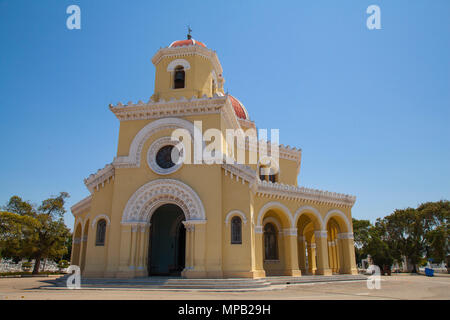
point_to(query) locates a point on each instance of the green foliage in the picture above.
(34, 233)
(418, 234)
(62, 264)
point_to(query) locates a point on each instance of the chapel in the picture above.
(158, 209)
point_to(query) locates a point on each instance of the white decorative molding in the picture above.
(98, 217)
(240, 171)
(291, 192)
(161, 109)
(134, 155)
(153, 150)
(76, 240)
(99, 178)
(274, 205)
(259, 229)
(153, 194)
(273, 221)
(345, 235)
(290, 231)
(321, 234)
(312, 245)
(338, 213)
(81, 206)
(178, 62)
(311, 210)
(233, 213)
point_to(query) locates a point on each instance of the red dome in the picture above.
(239, 108)
(188, 42)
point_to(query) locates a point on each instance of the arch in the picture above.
(134, 154)
(274, 221)
(274, 205)
(342, 218)
(235, 213)
(178, 62)
(313, 211)
(100, 216)
(143, 203)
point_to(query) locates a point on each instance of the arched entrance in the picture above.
(167, 243)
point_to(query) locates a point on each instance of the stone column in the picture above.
(322, 253)
(195, 249)
(141, 265)
(291, 252)
(330, 255)
(301, 254)
(125, 252)
(312, 258)
(259, 252)
(348, 253)
(75, 258)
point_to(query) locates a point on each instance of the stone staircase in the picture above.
(178, 283)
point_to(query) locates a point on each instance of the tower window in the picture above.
(179, 78)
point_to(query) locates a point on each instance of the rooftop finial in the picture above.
(189, 32)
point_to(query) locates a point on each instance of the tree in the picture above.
(361, 233)
(35, 233)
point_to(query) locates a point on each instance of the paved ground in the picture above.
(393, 287)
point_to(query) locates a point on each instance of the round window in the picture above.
(164, 156)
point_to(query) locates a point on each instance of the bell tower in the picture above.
(186, 69)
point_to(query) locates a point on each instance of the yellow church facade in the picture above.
(149, 214)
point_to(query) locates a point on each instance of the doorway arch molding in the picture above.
(143, 203)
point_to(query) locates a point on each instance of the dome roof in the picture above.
(239, 108)
(188, 42)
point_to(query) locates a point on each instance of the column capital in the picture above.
(321, 234)
(290, 231)
(259, 229)
(345, 235)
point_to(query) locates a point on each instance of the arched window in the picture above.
(270, 242)
(101, 233)
(263, 173)
(236, 230)
(178, 79)
(267, 174)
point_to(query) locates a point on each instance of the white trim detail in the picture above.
(152, 195)
(100, 216)
(336, 212)
(321, 234)
(274, 221)
(235, 213)
(153, 150)
(290, 231)
(134, 155)
(81, 206)
(308, 209)
(291, 192)
(178, 62)
(345, 235)
(276, 205)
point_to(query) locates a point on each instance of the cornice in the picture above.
(291, 192)
(162, 108)
(81, 206)
(245, 173)
(100, 177)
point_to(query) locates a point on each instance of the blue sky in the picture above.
(369, 108)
